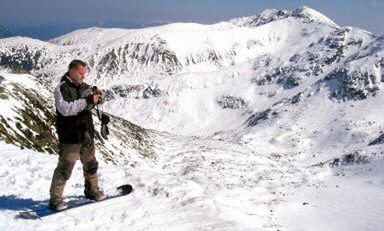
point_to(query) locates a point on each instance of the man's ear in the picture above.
(71, 74)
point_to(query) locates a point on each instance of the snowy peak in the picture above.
(312, 15)
(307, 14)
(89, 35)
(264, 17)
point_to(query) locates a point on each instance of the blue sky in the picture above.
(69, 14)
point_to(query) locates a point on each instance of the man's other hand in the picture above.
(93, 98)
(96, 98)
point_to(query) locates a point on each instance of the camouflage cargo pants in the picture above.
(68, 155)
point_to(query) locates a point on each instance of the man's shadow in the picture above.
(12, 202)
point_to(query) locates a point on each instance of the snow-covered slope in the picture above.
(25, 114)
(208, 184)
(271, 118)
(27, 120)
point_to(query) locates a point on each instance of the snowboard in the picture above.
(121, 190)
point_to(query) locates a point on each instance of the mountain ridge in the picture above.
(156, 69)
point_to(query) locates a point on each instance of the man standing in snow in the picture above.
(74, 101)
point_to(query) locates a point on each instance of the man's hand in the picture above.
(96, 97)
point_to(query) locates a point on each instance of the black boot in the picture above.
(57, 204)
(96, 194)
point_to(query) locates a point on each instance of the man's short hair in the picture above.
(75, 63)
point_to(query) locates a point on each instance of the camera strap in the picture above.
(104, 122)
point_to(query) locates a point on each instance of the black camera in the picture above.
(95, 90)
(84, 93)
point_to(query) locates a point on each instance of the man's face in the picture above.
(78, 74)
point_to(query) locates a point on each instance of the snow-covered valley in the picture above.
(267, 122)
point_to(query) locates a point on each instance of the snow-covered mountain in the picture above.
(143, 70)
(259, 122)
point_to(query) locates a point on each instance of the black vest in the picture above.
(71, 129)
